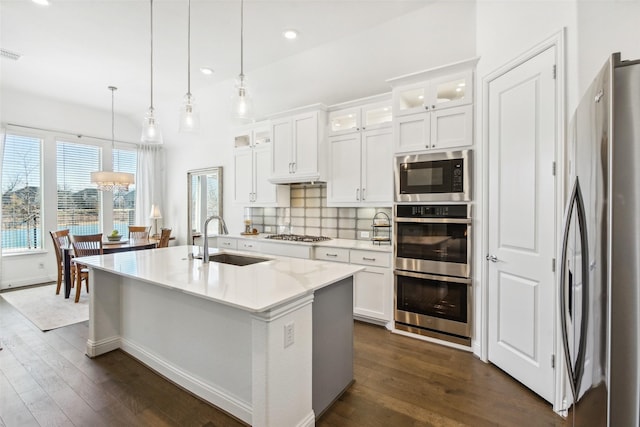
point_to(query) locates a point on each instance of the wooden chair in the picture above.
(60, 238)
(139, 232)
(87, 245)
(165, 235)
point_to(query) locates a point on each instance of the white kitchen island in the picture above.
(271, 343)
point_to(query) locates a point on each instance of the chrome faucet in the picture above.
(222, 229)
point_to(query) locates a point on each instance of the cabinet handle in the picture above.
(364, 258)
(363, 128)
(290, 167)
(226, 244)
(331, 255)
(295, 167)
(248, 246)
(357, 194)
(433, 107)
(426, 107)
(363, 197)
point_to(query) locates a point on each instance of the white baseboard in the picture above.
(308, 421)
(96, 348)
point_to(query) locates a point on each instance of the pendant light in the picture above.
(150, 127)
(110, 180)
(189, 116)
(242, 103)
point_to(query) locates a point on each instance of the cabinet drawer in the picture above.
(377, 259)
(226, 243)
(331, 254)
(248, 245)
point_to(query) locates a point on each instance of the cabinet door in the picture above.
(344, 121)
(376, 116)
(412, 132)
(264, 191)
(409, 99)
(450, 91)
(243, 175)
(344, 169)
(281, 135)
(371, 293)
(452, 127)
(305, 144)
(377, 167)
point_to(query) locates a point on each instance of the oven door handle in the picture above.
(432, 277)
(435, 220)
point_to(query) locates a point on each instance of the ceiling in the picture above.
(73, 49)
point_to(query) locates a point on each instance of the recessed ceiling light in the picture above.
(206, 71)
(290, 34)
(41, 2)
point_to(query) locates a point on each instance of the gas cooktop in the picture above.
(298, 238)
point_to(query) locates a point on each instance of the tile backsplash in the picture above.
(310, 215)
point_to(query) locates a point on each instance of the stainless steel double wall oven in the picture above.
(432, 248)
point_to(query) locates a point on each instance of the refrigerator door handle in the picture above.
(575, 371)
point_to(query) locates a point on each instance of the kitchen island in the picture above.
(271, 343)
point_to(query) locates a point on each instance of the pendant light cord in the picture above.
(241, 40)
(189, 52)
(113, 127)
(151, 16)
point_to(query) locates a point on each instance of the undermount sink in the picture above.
(239, 260)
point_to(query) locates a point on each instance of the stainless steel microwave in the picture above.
(433, 177)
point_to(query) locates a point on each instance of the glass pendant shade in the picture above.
(189, 115)
(112, 181)
(242, 108)
(150, 129)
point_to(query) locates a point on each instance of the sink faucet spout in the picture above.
(222, 229)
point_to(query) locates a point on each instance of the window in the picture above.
(78, 199)
(21, 195)
(124, 203)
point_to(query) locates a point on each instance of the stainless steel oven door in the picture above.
(437, 303)
(433, 245)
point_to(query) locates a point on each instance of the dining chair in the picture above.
(165, 235)
(60, 238)
(86, 245)
(139, 232)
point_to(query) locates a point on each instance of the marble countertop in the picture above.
(255, 288)
(333, 243)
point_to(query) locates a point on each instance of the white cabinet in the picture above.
(252, 168)
(372, 288)
(227, 243)
(433, 109)
(360, 166)
(360, 118)
(298, 147)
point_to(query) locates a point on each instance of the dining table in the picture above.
(108, 247)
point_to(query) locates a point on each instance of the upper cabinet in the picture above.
(360, 167)
(252, 168)
(371, 116)
(433, 109)
(298, 146)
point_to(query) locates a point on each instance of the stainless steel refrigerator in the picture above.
(600, 266)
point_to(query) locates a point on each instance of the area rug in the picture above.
(47, 310)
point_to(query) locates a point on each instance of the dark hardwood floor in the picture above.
(46, 380)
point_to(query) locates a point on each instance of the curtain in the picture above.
(2, 135)
(149, 182)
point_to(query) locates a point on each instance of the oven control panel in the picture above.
(432, 211)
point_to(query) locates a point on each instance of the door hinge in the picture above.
(554, 72)
(553, 361)
(553, 168)
(553, 265)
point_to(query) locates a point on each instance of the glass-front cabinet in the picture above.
(366, 117)
(433, 94)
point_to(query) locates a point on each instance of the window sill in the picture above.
(24, 253)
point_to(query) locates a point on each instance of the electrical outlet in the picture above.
(364, 234)
(289, 334)
(41, 265)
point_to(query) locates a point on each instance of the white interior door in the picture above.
(521, 288)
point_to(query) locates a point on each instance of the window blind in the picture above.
(21, 194)
(78, 198)
(124, 203)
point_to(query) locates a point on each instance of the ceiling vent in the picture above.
(4, 53)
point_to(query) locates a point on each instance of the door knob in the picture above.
(492, 258)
